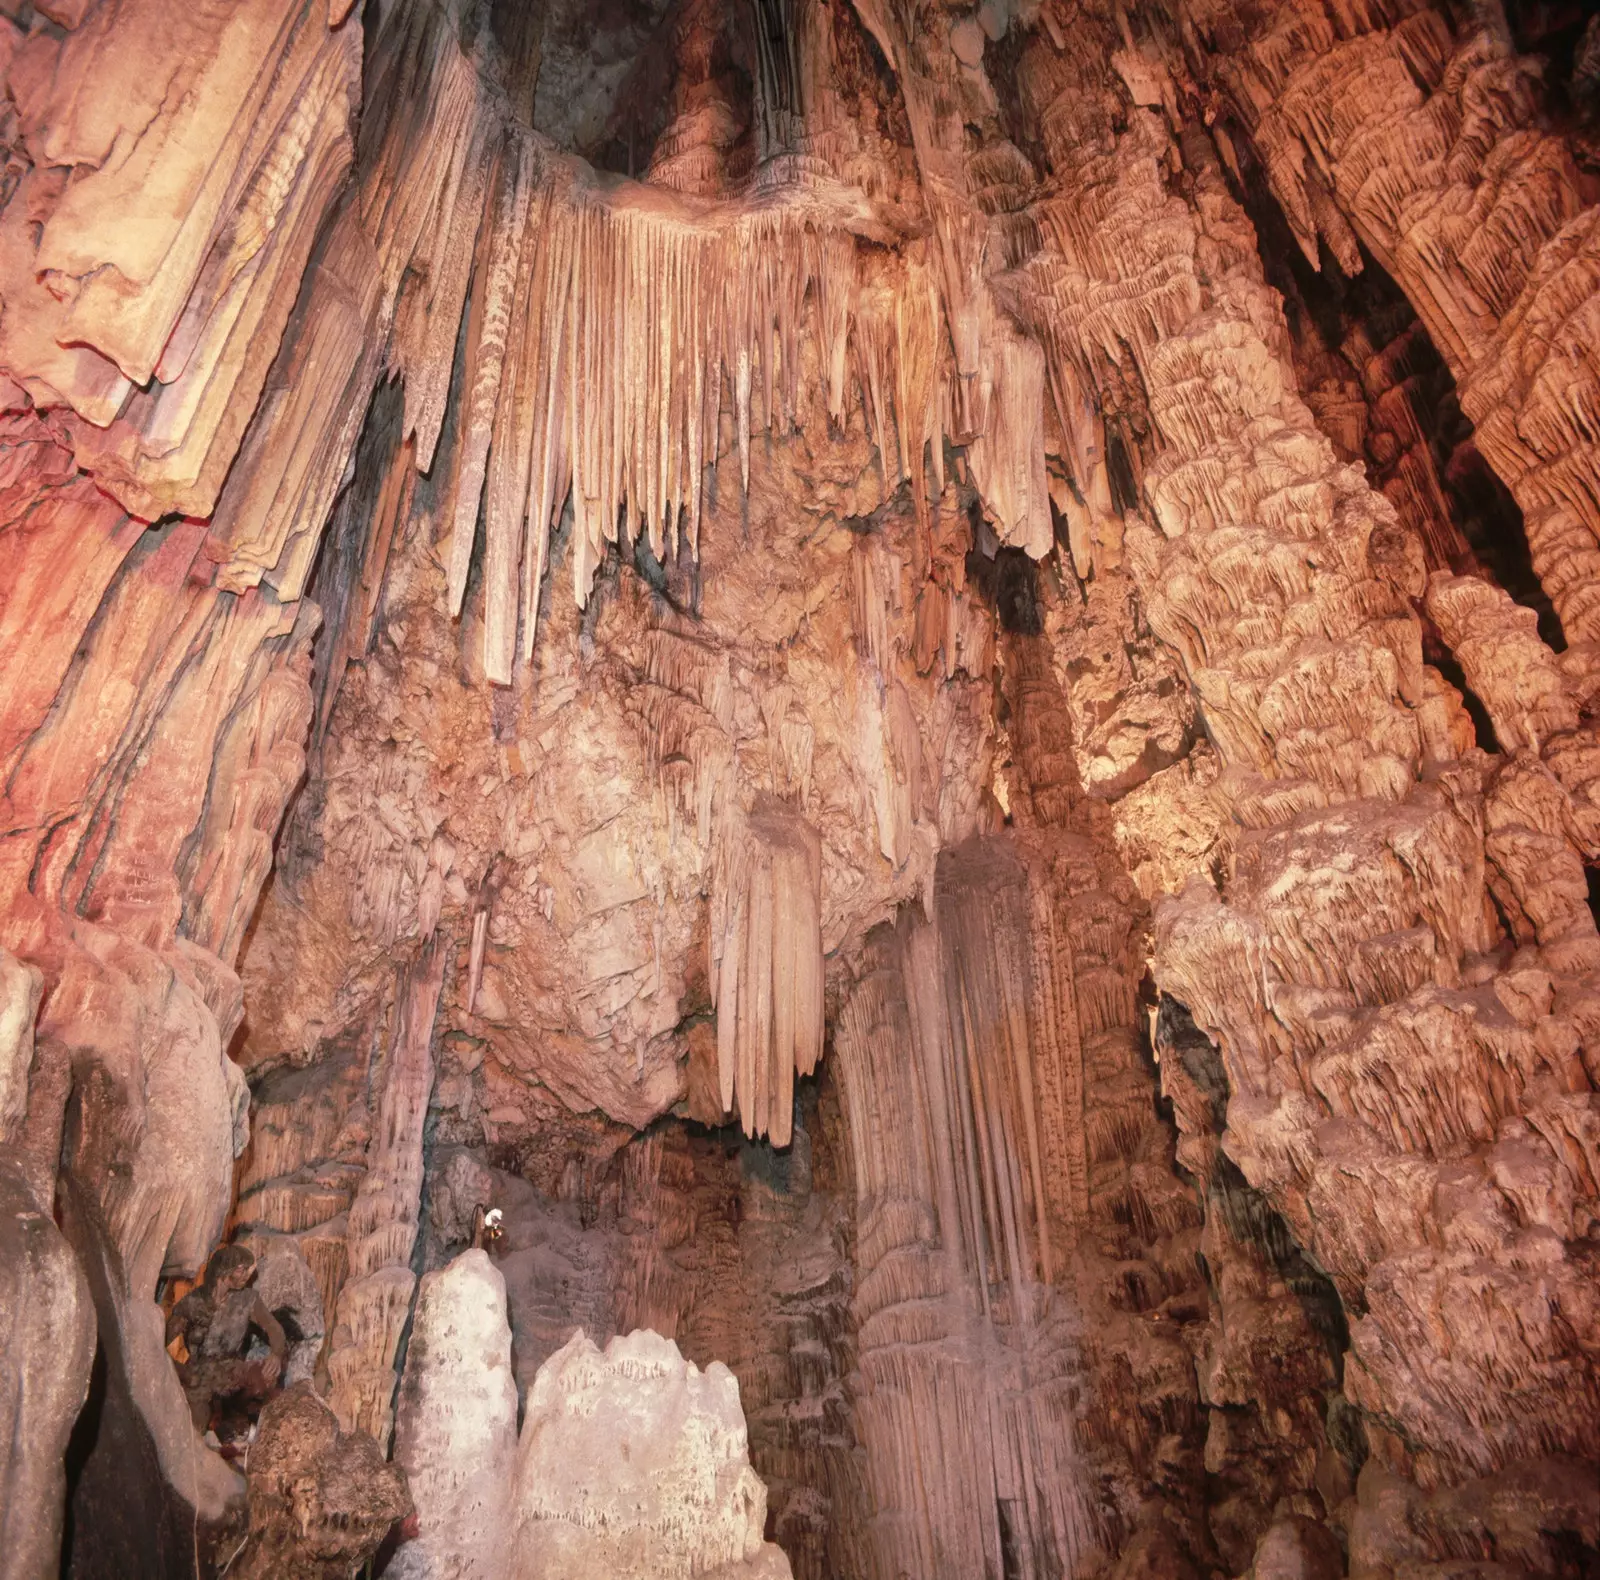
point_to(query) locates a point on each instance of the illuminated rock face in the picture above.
(780, 639)
(633, 1463)
(456, 1424)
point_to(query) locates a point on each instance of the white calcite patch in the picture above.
(456, 1430)
(635, 1465)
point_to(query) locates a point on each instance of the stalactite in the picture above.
(652, 311)
(766, 966)
(658, 310)
(969, 1370)
(1381, 925)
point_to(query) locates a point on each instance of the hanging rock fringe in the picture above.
(608, 329)
(766, 966)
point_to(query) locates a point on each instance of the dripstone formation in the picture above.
(800, 787)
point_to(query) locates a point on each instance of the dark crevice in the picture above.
(1553, 30)
(80, 1446)
(1119, 472)
(1010, 1558)
(1446, 663)
(124, 1520)
(1009, 583)
(1480, 505)
(1250, 1218)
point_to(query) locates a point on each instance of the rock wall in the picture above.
(1326, 765)
(1430, 140)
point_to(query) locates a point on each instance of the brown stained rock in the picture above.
(1524, 1520)
(321, 1502)
(1298, 1549)
(1153, 1555)
(47, 1334)
(375, 1304)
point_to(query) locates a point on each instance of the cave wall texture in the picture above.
(920, 679)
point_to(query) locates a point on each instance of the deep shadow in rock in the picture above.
(123, 1521)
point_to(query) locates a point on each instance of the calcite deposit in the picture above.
(824, 771)
(633, 1463)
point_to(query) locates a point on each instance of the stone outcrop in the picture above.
(321, 1502)
(47, 1327)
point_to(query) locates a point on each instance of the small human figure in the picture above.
(488, 1226)
(216, 1321)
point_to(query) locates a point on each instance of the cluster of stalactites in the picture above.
(595, 335)
(608, 329)
(767, 967)
(948, 1058)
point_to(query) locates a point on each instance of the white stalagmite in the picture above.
(635, 1465)
(456, 1428)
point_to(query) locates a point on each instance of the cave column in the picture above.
(1350, 975)
(1429, 144)
(375, 1303)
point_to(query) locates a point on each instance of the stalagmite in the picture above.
(456, 1425)
(633, 1464)
(375, 1302)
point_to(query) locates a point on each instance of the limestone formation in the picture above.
(47, 1325)
(456, 1426)
(375, 1302)
(633, 1463)
(321, 1502)
(916, 680)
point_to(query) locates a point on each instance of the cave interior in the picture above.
(800, 788)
